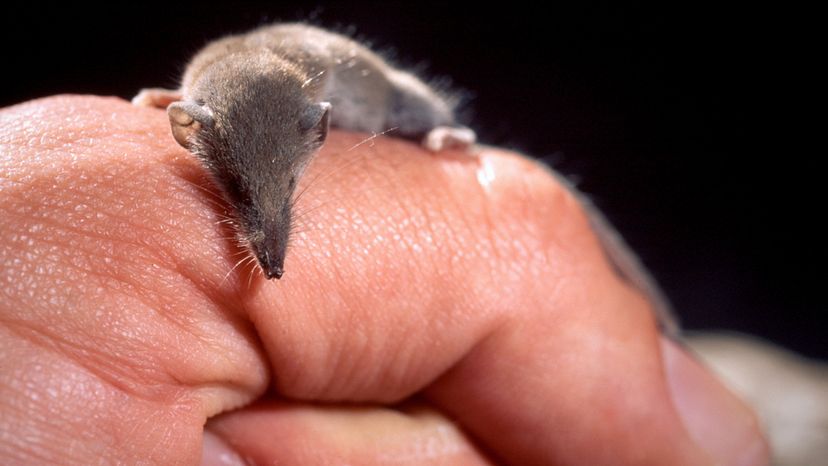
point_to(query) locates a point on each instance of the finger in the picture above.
(547, 356)
(113, 350)
(288, 433)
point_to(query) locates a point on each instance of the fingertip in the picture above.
(720, 423)
(217, 452)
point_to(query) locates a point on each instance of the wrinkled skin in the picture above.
(435, 310)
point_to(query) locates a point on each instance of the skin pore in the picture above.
(438, 310)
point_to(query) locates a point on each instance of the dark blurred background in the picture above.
(685, 124)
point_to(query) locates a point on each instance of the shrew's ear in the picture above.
(316, 118)
(186, 119)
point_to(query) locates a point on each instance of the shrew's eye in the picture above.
(292, 182)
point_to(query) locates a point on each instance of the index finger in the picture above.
(479, 282)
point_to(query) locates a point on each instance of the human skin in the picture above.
(435, 309)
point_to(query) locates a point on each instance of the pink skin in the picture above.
(470, 288)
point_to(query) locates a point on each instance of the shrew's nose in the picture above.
(275, 272)
(272, 265)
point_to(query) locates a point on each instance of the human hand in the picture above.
(434, 310)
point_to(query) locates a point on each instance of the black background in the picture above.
(685, 124)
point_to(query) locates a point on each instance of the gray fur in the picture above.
(255, 108)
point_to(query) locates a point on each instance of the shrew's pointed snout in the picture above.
(272, 264)
(269, 241)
